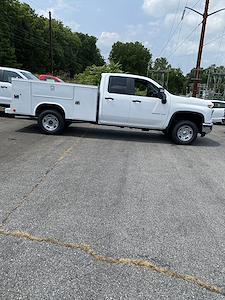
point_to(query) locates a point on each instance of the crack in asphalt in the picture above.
(87, 249)
(26, 196)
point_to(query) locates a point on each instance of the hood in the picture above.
(192, 100)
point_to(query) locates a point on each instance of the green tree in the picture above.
(161, 63)
(92, 75)
(66, 45)
(24, 42)
(30, 38)
(176, 82)
(212, 81)
(133, 57)
(170, 78)
(88, 53)
(7, 50)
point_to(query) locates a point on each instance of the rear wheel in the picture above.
(184, 132)
(51, 122)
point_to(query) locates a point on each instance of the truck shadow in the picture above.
(110, 133)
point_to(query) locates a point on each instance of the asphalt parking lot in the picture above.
(104, 213)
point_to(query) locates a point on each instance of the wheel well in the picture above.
(196, 118)
(44, 107)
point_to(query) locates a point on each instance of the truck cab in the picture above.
(6, 75)
(133, 101)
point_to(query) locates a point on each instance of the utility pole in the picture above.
(200, 49)
(205, 16)
(50, 43)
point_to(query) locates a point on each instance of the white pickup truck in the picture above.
(121, 100)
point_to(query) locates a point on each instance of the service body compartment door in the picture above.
(85, 103)
(61, 94)
(115, 101)
(21, 95)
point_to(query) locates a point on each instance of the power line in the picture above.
(16, 30)
(215, 39)
(28, 41)
(171, 31)
(205, 16)
(184, 40)
(186, 16)
(30, 36)
(179, 26)
(217, 57)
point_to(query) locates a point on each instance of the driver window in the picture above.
(144, 88)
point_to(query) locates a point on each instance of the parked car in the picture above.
(122, 100)
(6, 75)
(50, 78)
(218, 112)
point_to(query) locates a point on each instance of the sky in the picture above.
(158, 24)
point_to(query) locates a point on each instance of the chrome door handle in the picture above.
(136, 101)
(109, 98)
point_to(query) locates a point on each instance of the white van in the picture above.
(6, 75)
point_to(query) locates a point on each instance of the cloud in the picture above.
(107, 39)
(44, 12)
(130, 34)
(56, 10)
(140, 32)
(169, 13)
(58, 7)
(73, 25)
(156, 8)
(105, 42)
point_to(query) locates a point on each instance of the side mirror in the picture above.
(162, 96)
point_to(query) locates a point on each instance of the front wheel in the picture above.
(184, 133)
(51, 122)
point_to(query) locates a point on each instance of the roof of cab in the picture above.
(13, 69)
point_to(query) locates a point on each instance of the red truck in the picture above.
(49, 77)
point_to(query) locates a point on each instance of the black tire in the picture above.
(51, 122)
(189, 134)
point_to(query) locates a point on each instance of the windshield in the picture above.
(29, 76)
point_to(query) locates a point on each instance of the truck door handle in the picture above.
(136, 101)
(108, 98)
(4, 87)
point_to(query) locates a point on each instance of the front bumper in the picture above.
(206, 128)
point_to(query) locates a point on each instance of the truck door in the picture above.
(6, 86)
(146, 110)
(115, 101)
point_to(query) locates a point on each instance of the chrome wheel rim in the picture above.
(185, 133)
(50, 122)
